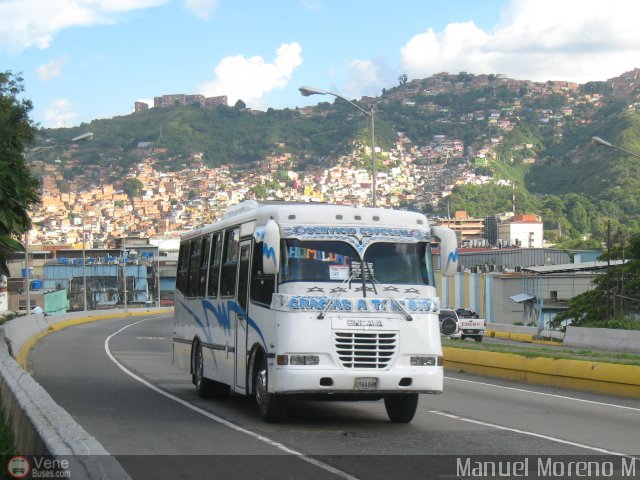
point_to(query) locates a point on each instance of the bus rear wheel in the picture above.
(272, 407)
(204, 386)
(401, 407)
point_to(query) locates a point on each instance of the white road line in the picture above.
(220, 420)
(545, 394)
(531, 434)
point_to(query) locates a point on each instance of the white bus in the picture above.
(289, 300)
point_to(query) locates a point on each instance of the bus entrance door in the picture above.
(241, 323)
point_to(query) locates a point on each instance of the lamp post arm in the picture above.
(371, 115)
(368, 114)
(626, 151)
(604, 143)
(308, 91)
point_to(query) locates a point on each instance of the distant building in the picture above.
(468, 230)
(182, 99)
(140, 107)
(490, 232)
(523, 231)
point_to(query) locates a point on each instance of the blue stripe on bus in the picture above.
(238, 309)
(207, 332)
(221, 314)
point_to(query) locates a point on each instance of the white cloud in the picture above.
(362, 76)
(202, 8)
(59, 114)
(249, 79)
(34, 23)
(575, 40)
(51, 69)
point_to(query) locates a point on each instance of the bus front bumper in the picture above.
(287, 380)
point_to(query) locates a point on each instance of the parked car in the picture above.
(449, 323)
(471, 325)
(461, 323)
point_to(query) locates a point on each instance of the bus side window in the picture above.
(183, 268)
(194, 267)
(214, 265)
(204, 266)
(229, 263)
(262, 286)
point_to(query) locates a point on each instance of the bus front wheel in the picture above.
(401, 407)
(272, 407)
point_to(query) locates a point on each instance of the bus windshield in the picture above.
(336, 261)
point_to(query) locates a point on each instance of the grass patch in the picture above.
(533, 350)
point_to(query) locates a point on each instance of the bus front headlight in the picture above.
(304, 360)
(425, 361)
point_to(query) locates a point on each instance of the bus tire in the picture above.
(204, 386)
(401, 407)
(272, 407)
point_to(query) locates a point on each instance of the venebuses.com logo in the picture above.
(20, 466)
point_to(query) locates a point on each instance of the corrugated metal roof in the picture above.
(513, 257)
(522, 297)
(572, 267)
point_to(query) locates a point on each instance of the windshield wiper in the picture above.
(333, 297)
(406, 314)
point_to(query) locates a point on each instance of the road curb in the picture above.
(599, 377)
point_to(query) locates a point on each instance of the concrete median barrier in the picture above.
(607, 378)
(603, 339)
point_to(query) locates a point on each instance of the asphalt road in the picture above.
(116, 379)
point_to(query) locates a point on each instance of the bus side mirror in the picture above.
(269, 236)
(448, 250)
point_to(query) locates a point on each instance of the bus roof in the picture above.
(298, 213)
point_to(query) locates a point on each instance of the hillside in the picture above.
(536, 135)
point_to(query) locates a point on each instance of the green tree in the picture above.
(18, 187)
(260, 191)
(133, 188)
(594, 308)
(402, 79)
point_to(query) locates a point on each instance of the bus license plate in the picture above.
(365, 383)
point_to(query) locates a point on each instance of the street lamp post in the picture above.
(84, 267)
(26, 271)
(80, 138)
(124, 270)
(604, 143)
(158, 253)
(308, 91)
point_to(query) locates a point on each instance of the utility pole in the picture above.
(84, 267)
(158, 253)
(124, 270)
(26, 271)
(608, 268)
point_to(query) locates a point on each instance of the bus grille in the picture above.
(365, 350)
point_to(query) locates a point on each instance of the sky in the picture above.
(88, 59)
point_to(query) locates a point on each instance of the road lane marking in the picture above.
(215, 418)
(531, 434)
(564, 397)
